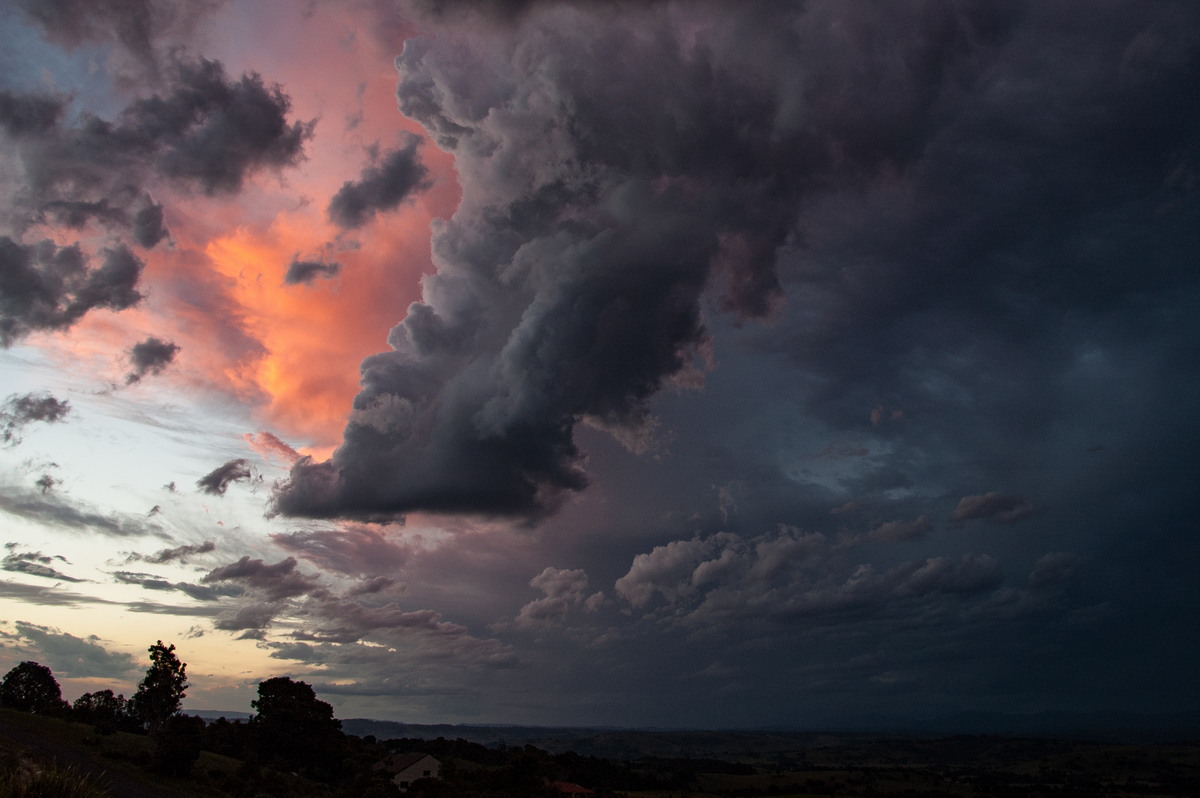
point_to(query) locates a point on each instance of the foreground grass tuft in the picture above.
(26, 780)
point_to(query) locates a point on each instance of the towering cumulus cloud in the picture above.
(618, 169)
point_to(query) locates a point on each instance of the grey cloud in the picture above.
(47, 596)
(213, 131)
(788, 576)
(380, 187)
(897, 531)
(26, 115)
(372, 585)
(349, 621)
(146, 29)
(176, 554)
(511, 11)
(217, 481)
(33, 563)
(276, 581)
(203, 130)
(349, 549)
(45, 287)
(564, 589)
(74, 656)
(56, 511)
(303, 272)
(1001, 508)
(149, 225)
(151, 356)
(156, 608)
(20, 410)
(1055, 568)
(148, 581)
(18, 565)
(198, 592)
(667, 569)
(252, 619)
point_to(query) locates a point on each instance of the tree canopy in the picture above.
(31, 687)
(294, 730)
(160, 695)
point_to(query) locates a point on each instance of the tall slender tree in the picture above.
(160, 695)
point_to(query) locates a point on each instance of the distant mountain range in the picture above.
(629, 743)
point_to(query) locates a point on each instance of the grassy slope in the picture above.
(114, 759)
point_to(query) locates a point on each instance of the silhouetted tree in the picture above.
(30, 687)
(226, 737)
(177, 744)
(296, 732)
(161, 693)
(103, 709)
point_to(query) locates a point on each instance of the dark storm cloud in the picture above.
(20, 410)
(150, 357)
(835, 152)
(381, 187)
(47, 287)
(149, 226)
(569, 281)
(303, 272)
(29, 115)
(213, 131)
(217, 481)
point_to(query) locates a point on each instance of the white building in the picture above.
(407, 768)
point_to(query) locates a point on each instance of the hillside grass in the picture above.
(116, 758)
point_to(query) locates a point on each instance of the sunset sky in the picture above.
(646, 364)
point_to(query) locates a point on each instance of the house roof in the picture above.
(567, 788)
(397, 763)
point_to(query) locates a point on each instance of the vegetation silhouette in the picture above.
(31, 687)
(293, 747)
(160, 694)
(294, 731)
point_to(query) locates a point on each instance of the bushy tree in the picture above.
(31, 687)
(177, 744)
(294, 731)
(160, 695)
(106, 710)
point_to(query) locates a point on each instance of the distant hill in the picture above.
(632, 743)
(213, 714)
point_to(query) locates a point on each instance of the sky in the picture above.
(672, 364)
